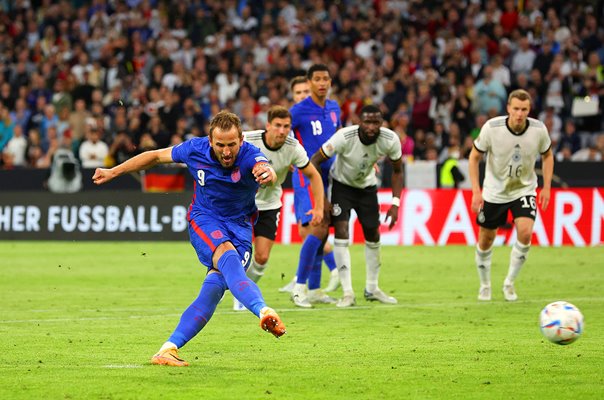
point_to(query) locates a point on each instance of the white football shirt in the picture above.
(510, 165)
(354, 162)
(291, 153)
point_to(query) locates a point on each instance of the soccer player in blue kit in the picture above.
(314, 120)
(227, 173)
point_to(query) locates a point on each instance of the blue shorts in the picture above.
(303, 198)
(208, 232)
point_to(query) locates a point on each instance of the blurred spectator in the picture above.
(82, 69)
(21, 114)
(501, 72)
(49, 120)
(420, 145)
(121, 149)
(572, 68)
(490, 94)
(63, 122)
(564, 154)
(595, 69)
(544, 58)
(553, 120)
(93, 150)
(524, 58)
(351, 106)
(38, 89)
(466, 149)
(599, 141)
(262, 115)
(157, 132)
(589, 153)
(6, 96)
(6, 127)
(420, 111)
(450, 175)
(227, 82)
(441, 106)
(462, 110)
(480, 120)
(509, 17)
(78, 118)
(17, 147)
(61, 98)
(570, 138)
(245, 22)
(34, 151)
(432, 154)
(554, 79)
(400, 124)
(392, 97)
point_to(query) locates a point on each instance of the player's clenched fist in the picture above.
(102, 175)
(264, 174)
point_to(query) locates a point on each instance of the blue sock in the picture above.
(308, 253)
(330, 261)
(197, 315)
(242, 287)
(314, 278)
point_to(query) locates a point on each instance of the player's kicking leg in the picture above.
(192, 321)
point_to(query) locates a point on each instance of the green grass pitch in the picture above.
(81, 320)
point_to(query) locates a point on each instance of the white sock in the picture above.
(342, 257)
(264, 310)
(517, 259)
(255, 270)
(372, 260)
(167, 345)
(483, 265)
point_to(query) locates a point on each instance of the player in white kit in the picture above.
(512, 144)
(282, 151)
(354, 186)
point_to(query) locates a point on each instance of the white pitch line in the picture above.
(123, 366)
(449, 304)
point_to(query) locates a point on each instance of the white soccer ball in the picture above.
(561, 322)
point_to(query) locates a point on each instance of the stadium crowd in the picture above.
(438, 69)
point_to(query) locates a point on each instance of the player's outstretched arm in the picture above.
(547, 159)
(318, 193)
(142, 161)
(474, 160)
(397, 187)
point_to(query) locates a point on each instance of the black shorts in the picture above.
(364, 202)
(267, 223)
(493, 215)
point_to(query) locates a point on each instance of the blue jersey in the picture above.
(313, 125)
(227, 193)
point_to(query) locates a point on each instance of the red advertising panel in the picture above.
(440, 217)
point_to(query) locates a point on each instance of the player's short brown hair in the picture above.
(278, 112)
(296, 80)
(521, 95)
(225, 120)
